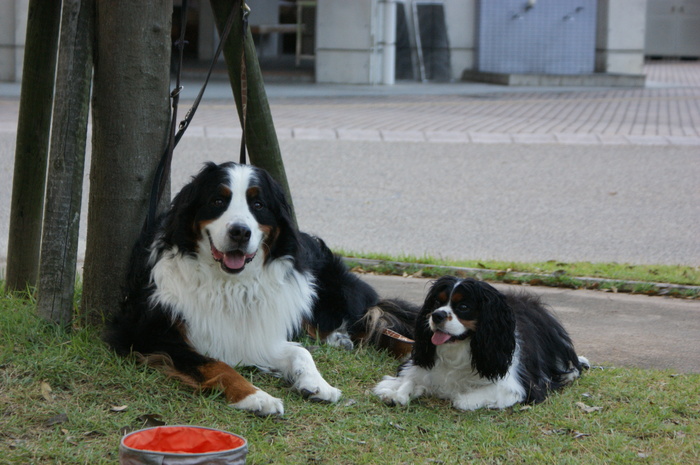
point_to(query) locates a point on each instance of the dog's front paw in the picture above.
(392, 391)
(318, 390)
(261, 403)
(340, 339)
(486, 399)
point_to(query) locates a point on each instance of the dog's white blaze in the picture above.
(451, 325)
(238, 212)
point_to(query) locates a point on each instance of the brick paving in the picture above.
(665, 112)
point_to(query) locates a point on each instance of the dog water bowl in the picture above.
(182, 445)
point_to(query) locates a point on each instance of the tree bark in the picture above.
(32, 144)
(261, 137)
(59, 245)
(130, 131)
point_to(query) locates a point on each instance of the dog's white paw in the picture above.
(340, 339)
(485, 399)
(317, 389)
(392, 391)
(261, 403)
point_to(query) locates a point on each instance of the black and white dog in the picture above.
(478, 347)
(226, 279)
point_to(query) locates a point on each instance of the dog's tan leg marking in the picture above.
(220, 375)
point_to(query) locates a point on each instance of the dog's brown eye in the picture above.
(258, 205)
(218, 202)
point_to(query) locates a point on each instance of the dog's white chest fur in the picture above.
(453, 371)
(239, 319)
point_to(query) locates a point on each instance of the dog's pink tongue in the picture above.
(234, 260)
(440, 338)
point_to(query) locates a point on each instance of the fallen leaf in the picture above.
(119, 408)
(151, 419)
(69, 439)
(578, 435)
(525, 407)
(397, 426)
(587, 408)
(56, 420)
(355, 441)
(46, 391)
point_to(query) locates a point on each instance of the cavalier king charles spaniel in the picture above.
(478, 347)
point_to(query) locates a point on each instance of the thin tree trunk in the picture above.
(130, 128)
(261, 137)
(59, 245)
(31, 150)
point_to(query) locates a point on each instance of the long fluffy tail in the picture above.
(389, 325)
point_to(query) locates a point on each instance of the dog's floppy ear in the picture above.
(493, 342)
(287, 240)
(423, 350)
(178, 223)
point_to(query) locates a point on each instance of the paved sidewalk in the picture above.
(666, 112)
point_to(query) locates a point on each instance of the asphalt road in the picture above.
(517, 202)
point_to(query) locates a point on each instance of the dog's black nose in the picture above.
(239, 233)
(439, 316)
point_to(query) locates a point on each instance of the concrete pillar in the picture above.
(346, 38)
(620, 36)
(389, 43)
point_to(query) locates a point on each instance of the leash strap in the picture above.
(163, 171)
(184, 124)
(244, 79)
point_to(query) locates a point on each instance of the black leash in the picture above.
(163, 170)
(244, 78)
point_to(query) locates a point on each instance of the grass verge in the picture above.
(65, 398)
(669, 280)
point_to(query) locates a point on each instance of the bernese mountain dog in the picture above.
(479, 347)
(225, 279)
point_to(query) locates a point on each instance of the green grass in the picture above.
(616, 277)
(646, 417)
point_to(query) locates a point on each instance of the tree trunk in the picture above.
(31, 150)
(261, 137)
(59, 245)
(130, 131)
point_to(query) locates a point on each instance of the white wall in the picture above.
(347, 42)
(13, 31)
(349, 38)
(620, 36)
